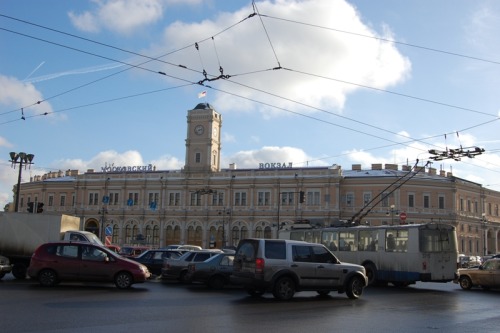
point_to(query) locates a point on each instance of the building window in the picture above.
(263, 198)
(197, 157)
(287, 198)
(154, 200)
(312, 198)
(93, 199)
(113, 198)
(411, 200)
(461, 205)
(469, 206)
(174, 199)
(218, 199)
(349, 200)
(195, 199)
(476, 207)
(73, 200)
(240, 198)
(62, 201)
(367, 197)
(385, 199)
(441, 202)
(51, 200)
(426, 201)
(133, 199)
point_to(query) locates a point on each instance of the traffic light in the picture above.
(30, 207)
(302, 196)
(39, 207)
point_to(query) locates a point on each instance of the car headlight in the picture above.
(144, 268)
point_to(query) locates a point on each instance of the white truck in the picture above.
(22, 233)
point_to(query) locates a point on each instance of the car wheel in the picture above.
(47, 278)
(465, 282)
(284, 288)
(123, 280)
(216, 282)
(19, 271)
(254, 292)
(355, 287)
(371, 273)
(323, 292)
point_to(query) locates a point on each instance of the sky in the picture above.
(87, 84)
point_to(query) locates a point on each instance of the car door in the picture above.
(486, 275)
(95, 264)
(328, 272)
(66, 262)
(303, 266)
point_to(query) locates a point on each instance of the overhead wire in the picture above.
(279, 67)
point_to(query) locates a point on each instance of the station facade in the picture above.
(210, 206)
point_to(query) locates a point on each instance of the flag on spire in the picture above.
(202, 94)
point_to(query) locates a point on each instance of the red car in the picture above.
(74, 261)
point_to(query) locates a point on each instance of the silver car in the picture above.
(285, 266)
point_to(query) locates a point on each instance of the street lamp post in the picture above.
(485, 238)
(21, 158)
(392, 211)
(223, 213)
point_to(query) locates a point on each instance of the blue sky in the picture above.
(312, 82)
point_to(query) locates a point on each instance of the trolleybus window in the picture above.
(347, 241)
(436, 240)
(368, 240)
(396, 240)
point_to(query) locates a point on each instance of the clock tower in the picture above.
(203, 139)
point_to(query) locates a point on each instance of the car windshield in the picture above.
(95, 240)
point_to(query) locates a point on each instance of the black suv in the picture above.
(284, 267)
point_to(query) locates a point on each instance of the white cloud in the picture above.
(252, 158)
(17, 94)
(122, 16)
(5, 143)
(321, 52)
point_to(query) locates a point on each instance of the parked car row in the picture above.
(281, 267)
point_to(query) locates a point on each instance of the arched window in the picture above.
(169, 235)
(267, 232)
(116, 231)
(135, 232)
(128, 234)
(259, 232)
(235, 236)
(156, 235)
(244, 232)
(149, 235)
(191, 235)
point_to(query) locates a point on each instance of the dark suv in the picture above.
(284, 267)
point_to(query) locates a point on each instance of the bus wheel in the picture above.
(371, 273)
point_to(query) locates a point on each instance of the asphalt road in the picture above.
(156, 306)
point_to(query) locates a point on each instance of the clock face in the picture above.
(199, 129)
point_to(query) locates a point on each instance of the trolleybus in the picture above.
(397, 254)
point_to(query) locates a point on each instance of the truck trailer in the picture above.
(22, 233)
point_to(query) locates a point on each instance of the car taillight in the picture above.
(259, 265)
